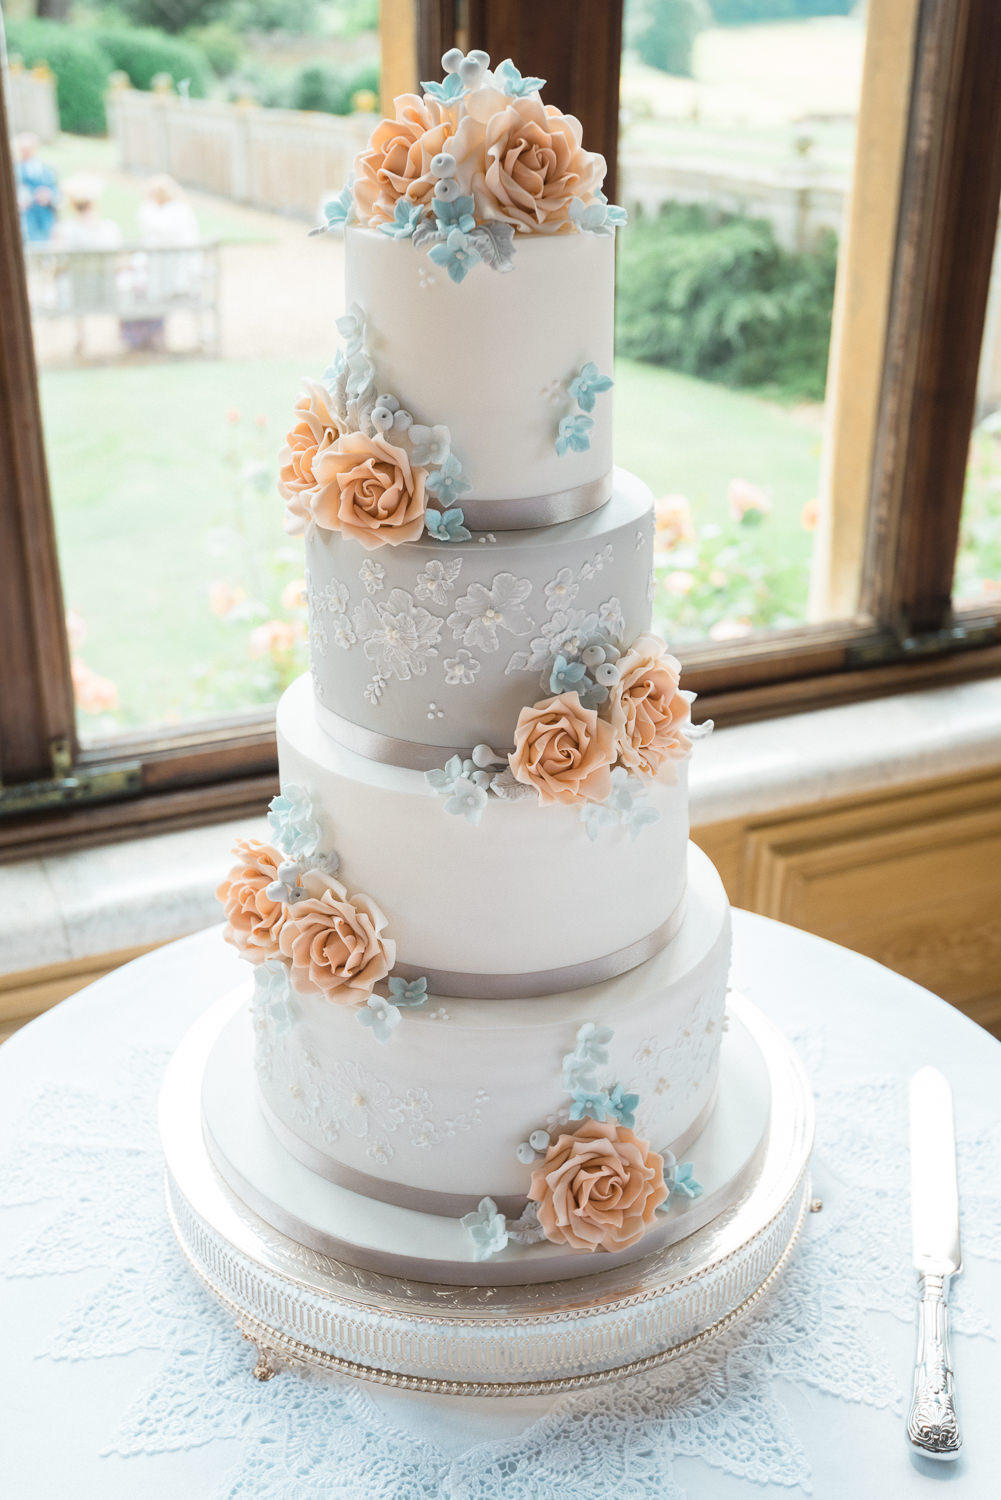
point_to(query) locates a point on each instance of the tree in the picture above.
(664, 33)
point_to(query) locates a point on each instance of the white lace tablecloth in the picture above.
(119, 1377)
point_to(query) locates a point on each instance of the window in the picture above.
(876, 614)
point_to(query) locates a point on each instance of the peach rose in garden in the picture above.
(564, 751)
(275, 638)
(396, 163)
(647, 711)
(747, 501)
(534, 166)
(674, 523)
(92, 693)
(369, 490)
(598, 1187)
(316, 428)
(336, 942)
(253, 920)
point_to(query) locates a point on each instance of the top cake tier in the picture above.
(493, 359)
(472, 392)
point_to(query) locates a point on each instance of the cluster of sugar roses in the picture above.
(355, 461)
(613, 715)
(285, 904)
(473, 162)
(595, 1186)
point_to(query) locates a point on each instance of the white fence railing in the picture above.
(284, 160)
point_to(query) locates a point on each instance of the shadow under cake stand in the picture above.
(303, 1305)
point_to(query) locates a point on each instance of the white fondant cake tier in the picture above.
(491, 357)
(398, 1241)
(441, 1108)
(441, 645)
(524, 891)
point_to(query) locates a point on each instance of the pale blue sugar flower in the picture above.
(408, 993)
(447, 482)
(592, 1042)
(588, 385)
(457, 255)
(457, 214)
(680, 1178)
(290, 817)
(351, 327)
(467, 801)
(429, 445)
(380, 1017)
(442, 781)
(597, 815)
(487, 1228)
(623, 1106)
(272, 993)
(593, 1103)
(566, 676)
(449, 92)
(406, 218)
(578, 1073)
(447, 525)
(507, 76)
(338, 211)
(574, 435)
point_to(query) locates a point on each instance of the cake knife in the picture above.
(932, 1425)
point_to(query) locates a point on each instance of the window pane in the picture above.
(176, 301)
(978, 561)
(736, 164)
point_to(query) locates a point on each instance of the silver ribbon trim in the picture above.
(385, 748)
(534, 511)
(423, 1200)
(454, 984)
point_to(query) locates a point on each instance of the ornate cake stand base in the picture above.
(301, 1307)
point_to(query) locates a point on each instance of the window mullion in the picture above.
(36, 701)
(952, 182)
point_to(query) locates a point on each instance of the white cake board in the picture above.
(301, 1305)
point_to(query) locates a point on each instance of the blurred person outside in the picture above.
(37, 191)
(166, 222)
(85, 283)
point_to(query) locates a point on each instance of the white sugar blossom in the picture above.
(561, 590)
(611, 618)
(333, 598)
(372, 574)
(482, 611)
(438, 579)
(461, 669)
(565, 633)
(344, 636)
(399, 636)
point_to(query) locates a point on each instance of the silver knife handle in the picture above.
(932, 1424)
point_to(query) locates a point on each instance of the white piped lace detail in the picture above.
(94, 1158)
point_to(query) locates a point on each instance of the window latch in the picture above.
(69, 784)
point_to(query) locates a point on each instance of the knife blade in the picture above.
(932, 1424)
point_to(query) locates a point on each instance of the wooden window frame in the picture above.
(904, 633)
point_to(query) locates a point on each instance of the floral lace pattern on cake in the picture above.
(349, 1099)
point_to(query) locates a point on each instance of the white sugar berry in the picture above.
(446, 190)
(443, 165)
(525, 1154)
(478, 56)
(451, 59)
(484, 755)
(592, 656)
(539, 1140)
(607, 674)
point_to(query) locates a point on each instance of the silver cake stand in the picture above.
(302, 1308)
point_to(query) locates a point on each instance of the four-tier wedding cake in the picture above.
(489, 968)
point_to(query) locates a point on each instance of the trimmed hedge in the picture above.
(80, 65)
(329, 90)
(746, 12)
(143, 53)
(714, 295)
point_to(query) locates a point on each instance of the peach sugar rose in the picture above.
(396, 163)
(369, 490)
(648, 712)
(534, 166)
(564, 751)
(336, 942)
(598, 1188)
(253, 921)
(316, 428)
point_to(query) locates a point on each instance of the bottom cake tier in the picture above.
(460, 1101)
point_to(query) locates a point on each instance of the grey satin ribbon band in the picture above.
(534, 511)
(385, 748)
(424, 1200)
(454, 984)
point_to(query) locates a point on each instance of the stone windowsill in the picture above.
(150, 890)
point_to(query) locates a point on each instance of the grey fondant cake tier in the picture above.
(441, 644)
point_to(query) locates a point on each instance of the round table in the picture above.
(121, 1378)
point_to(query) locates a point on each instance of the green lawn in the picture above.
(158, 497)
